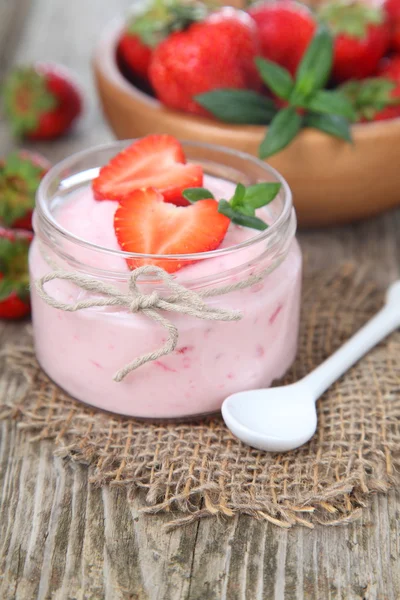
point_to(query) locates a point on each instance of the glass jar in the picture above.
(81, 351)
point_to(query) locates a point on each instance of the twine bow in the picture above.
(182, 301)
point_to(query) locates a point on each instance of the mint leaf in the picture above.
(238, 196)
(246, 209)
(239, 218)
(316, 64)
(278, 79)
(336, 103)
(195, 194)
(281, 132)
(332, 124)
(238, 106)
(261, 194)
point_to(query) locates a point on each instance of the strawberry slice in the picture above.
(145, 224)
(154, 161)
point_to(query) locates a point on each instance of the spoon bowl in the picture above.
(283, 418)
(275, 419)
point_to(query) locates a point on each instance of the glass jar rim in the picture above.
(44, 211)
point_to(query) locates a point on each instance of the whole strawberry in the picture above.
(149, 25)
(217, 53)
(361, 37)
(14, 278)
(285, 30)
(135, 54)
(41, 101)
(20, 175)
(392, 8)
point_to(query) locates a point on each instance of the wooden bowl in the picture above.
(332, 181)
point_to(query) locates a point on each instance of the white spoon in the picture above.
(283, 418)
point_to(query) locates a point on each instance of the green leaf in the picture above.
(334, 103)
(239, 218)
(195, 194)
(238, 196)
(281, 132)
(246, 209)
(332, 124)
(261, 194)
(316, 65)
(238, 106)
(278, 79)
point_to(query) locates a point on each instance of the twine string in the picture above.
(182, 300)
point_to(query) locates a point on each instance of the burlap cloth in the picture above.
(200, 469)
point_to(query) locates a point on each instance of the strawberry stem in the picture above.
(26, 98)
(14, 268)
(163, 17)
(351, 18)
(370, 96)
(19, 180)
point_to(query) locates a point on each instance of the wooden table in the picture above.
(61, 538)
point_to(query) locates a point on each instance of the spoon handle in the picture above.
(383, 323)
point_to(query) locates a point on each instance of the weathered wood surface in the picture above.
(61, 538)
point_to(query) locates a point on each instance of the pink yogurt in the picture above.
(81, 351)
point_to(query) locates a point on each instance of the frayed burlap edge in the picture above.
(201, 470)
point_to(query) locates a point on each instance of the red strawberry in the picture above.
(153, 22)
(218, 53)
(135, 54)
(20, 175)
(145, 224)
(361, 38)
(154, 161)
(285, 30)
(392, 8)
(41, 101)
(14, 278)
